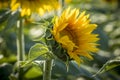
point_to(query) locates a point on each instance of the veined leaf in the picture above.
(37, 50)
(109, 65)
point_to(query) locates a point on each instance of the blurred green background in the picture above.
(105, 13)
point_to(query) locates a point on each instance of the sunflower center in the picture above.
(71, 34)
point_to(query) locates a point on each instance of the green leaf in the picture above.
(109, 65)
(38, 53)
(33, 63)
(12, 20)
(4, 15)
(33, 72)
(37, 50)
(9, 59)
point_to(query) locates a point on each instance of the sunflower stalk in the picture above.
(47, 69)
(20, 47)
(63, 3)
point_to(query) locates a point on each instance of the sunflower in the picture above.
(4, 4)
(29, 6)
(68, 1)
(74, 32)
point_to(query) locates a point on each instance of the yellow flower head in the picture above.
(74, 32)
(29, 6)
(68, 1)
(4, 4)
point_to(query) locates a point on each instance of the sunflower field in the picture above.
(59, 39)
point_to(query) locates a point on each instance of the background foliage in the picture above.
(106, 63)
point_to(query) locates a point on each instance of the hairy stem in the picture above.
(20, 47)
(47, 69)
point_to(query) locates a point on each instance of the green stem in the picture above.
(47, 69)
(63, 3)
(20, 47)
(118, 4)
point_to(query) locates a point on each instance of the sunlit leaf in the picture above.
(33, 72)
(37, 50)
(32, 63)
(8, 59)
(37, 32)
